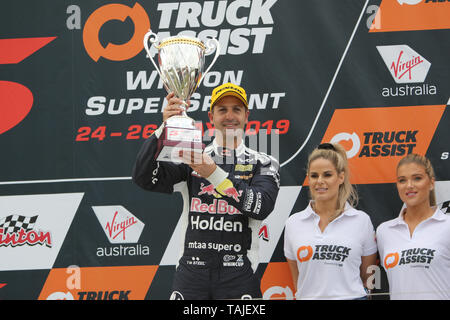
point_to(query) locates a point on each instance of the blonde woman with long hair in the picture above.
(415, 246)
(330, 244)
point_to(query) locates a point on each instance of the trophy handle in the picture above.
(211, 44)
(153, 38)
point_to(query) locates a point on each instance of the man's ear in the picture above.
(210, 116)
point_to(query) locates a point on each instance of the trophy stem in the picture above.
(184, 107)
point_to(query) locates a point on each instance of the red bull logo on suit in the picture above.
(229, 191)
(209, 190)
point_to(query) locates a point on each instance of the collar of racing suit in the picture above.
(220, 150)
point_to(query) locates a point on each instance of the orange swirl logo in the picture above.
(391, 260)
(304, 253)
(112, 51)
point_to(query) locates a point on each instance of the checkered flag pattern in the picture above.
(13, 223)
(445, 207)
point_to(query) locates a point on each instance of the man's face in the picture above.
(229, 116)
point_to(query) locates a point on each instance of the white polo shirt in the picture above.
(417, 267)
(329, 262)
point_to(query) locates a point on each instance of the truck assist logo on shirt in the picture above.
(422, 256)
(323, 252)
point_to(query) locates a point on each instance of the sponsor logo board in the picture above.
(404, 64)
(122, 229)
(409, 71)
(276, 283)
(119, 225)
(411, 15)
(99, 283)
(377, 138)
(33, 229)
(16, 99)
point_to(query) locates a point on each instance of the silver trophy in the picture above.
(181, 64)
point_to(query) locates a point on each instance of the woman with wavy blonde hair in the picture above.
(337, 155)
(330, 244)
(414, 247)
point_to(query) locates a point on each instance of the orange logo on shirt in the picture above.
(408, 15)
(391, 260)
(304, 253)
(377, 138)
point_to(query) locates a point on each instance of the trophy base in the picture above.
(171, 153)
(176, 139)
(180, 121)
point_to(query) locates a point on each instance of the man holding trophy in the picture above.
(229, 188)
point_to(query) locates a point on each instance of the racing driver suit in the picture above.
(221, 220)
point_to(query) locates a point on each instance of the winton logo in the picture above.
(377, 138)
(33, 229)
(18, 230)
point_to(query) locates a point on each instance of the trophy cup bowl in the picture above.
(181, 61)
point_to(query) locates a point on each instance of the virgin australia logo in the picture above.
(119, 225)
(123, 230)
(404, 64)
(407, 68)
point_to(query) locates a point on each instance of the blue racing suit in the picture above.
(222, 219)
